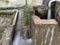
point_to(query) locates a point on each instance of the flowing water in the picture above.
(19, 40)
(49, 10)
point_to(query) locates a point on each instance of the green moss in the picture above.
(26, 15)
(1, 33)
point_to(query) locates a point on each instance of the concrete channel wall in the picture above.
(44, 32)
(8, 33)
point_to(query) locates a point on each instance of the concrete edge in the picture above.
(39, 21)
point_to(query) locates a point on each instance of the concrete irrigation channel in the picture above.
(19, 35)
(12, 34)
(8, 19)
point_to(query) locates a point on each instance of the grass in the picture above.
(26, 15)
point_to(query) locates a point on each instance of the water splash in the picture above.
(49, 10)
(49, 14)
(17, 37)
(19, 40)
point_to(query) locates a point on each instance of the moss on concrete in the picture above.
(7, 21)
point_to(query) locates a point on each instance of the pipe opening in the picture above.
(42, 11)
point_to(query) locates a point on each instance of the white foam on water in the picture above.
(20, 41)
(17, 37)
(49, 14)
(29, 41)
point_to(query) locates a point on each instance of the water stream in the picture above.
(49, 10)
(19, 40)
